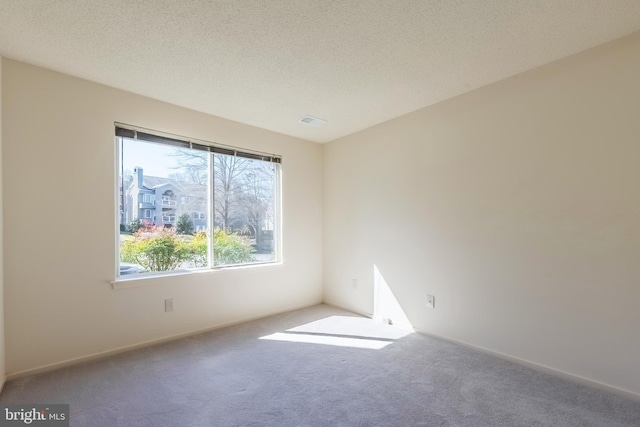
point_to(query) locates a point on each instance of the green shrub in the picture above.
(134, 226)
(161, 249)
(230, 248)
(198, 249)
(155, 249)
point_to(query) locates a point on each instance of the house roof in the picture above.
(181, 187)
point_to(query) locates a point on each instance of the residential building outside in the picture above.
(160, 201)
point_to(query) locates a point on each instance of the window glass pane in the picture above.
(159, 187)
(245, 215)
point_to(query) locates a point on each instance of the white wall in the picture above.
(2, 367)
(516, 205)
(58, 136)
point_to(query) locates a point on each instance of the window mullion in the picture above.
(278, 229)
(212, 207)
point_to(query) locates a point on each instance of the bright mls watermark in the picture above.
(54, 415)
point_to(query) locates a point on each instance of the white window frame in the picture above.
(278, 229)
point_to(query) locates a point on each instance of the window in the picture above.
(168, 201)
(215, 206)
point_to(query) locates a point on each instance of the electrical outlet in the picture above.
(431, 301)
(354, 283)
(168, 305)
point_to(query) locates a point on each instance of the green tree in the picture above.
(184, 225)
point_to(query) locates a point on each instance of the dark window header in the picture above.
(184, 143)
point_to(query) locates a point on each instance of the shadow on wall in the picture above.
(385, 304)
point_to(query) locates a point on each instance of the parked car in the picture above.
(130, 268)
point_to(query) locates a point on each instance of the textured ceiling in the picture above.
(354, 63)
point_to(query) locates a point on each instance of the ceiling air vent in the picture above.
(312, 121)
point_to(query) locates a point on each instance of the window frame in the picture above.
(209, 215)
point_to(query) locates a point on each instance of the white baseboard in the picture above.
(361, 313)
(533, 365)
(543, 368)
(107, 353)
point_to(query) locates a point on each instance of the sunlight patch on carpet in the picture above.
(342, 331)
(328, 340)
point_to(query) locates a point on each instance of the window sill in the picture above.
(145, 280)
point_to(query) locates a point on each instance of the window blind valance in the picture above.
(131, 132)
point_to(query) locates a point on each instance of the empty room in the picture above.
(320, 213)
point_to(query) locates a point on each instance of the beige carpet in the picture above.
(316, 367)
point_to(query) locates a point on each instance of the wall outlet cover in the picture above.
(431, 301)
